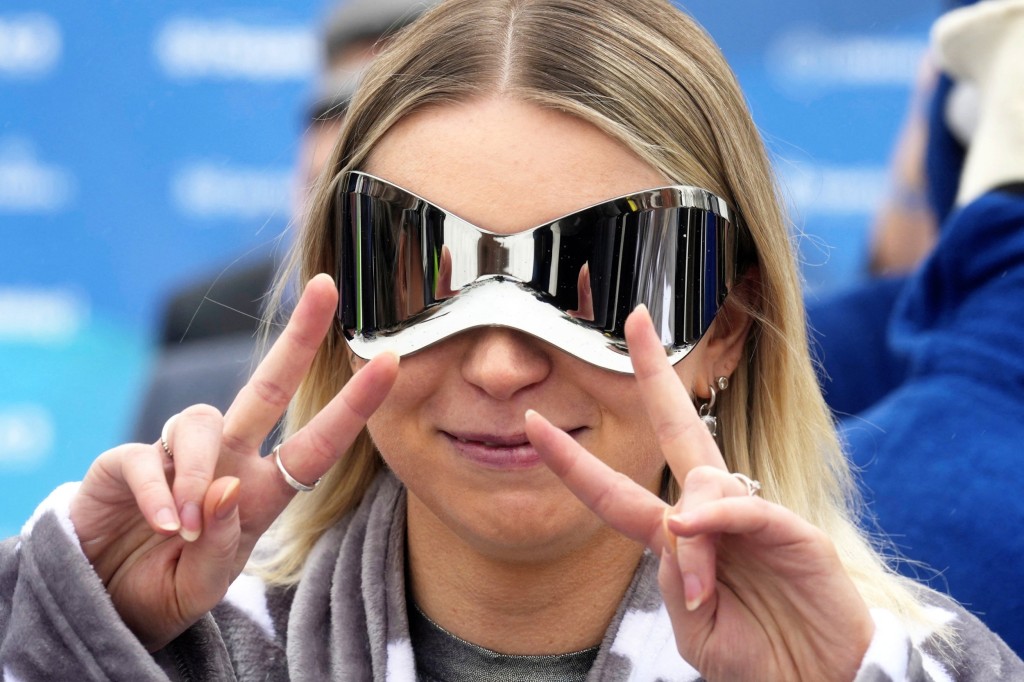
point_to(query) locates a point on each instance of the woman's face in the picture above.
(452, 428)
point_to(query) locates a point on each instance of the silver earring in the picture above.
(710, 420)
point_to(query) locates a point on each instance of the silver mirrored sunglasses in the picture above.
(411, 273)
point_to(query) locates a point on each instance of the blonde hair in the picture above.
(647, 75)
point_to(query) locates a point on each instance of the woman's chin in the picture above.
(518, 525)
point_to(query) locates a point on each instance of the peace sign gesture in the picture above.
(753, 590)
(169, 526)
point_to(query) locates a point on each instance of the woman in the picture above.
(508, 511)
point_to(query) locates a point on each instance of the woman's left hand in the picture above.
(754, 591)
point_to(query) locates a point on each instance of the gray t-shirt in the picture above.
(444, 657)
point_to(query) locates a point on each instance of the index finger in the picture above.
(264, 398)
(684, 440)
(619, 501)
(314, 448)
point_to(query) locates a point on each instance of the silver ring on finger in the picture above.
(753, 487)
(288, 478)
(165, 436)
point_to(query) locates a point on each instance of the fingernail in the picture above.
(677, 523)
(228, 502)
(191, 522)
(166, 520)
(692, 590)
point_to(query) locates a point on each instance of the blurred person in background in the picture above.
(208, 333)
(925, 369)
(905, 229)
(858, 369)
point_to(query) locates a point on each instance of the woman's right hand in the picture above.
(168, 536)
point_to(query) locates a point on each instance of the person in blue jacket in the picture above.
(929, 369)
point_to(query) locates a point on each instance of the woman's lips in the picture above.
(497, 452)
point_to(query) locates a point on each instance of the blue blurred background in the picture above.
(143, 145)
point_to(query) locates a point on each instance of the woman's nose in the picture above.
(502, 362)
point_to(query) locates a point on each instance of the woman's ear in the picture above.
(728, 334)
